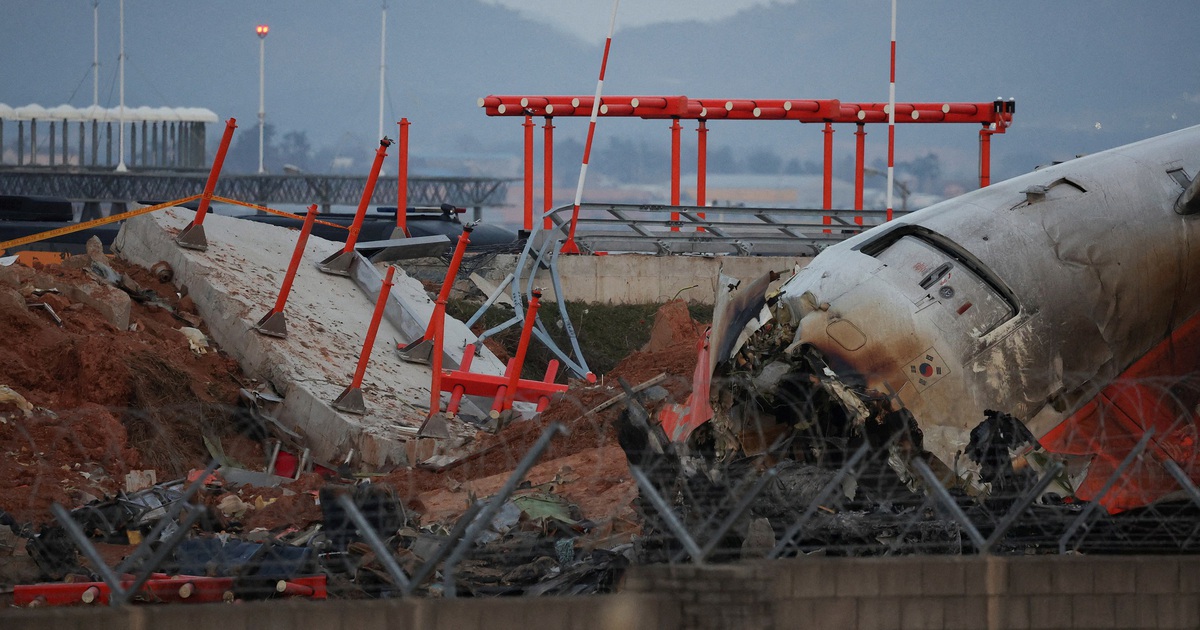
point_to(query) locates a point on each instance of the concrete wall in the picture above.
(627, 278)
(961, 593)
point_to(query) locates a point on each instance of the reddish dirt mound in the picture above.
(104, 401)
(675, 356)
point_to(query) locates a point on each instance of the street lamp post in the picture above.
(262, 30)
(121, 71)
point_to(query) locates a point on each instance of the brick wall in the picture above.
(960, 593)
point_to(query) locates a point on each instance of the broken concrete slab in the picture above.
(237, 280)
(109, 301)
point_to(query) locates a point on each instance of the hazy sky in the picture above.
(590, 19)
(1087, 74)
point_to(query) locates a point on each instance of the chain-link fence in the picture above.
(542, 507)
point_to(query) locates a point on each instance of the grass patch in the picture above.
(606, 333)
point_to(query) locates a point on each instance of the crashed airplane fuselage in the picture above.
(1028, 300)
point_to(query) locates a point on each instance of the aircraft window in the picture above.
(924, 271)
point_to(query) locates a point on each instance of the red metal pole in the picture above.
(402, 180)
(675, 170)
(701, 164)
(522, 346)
(368, 191)
(701, 168)
(437, 323)
(215, 172)
(551, 370)
(437, 327)
(860, 148)
(827, 195)
(510, 368)
(296, 256)
(548, 171)
(457, 393)
(439, 307)
(569, 245)
(380, 303)
(891, 152)
(528, 217)
(985, 157)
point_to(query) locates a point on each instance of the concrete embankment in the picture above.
(627, 278)
(237, 280)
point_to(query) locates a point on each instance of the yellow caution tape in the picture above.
(274, 211)
(76, 227)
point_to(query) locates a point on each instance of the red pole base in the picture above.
(192, 237)
(569, 247)
(273, 324)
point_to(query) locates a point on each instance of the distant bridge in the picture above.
(300, 189)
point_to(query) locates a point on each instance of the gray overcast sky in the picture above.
(589, 19)
(1071, 64)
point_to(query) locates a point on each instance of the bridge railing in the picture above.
(301, 189)
(747, 231)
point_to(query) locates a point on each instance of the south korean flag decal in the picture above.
(926, 369)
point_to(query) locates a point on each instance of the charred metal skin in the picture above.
(1027, 297)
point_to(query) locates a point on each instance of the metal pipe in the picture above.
(675, 157)
(95, 54)
(380, 153)
(860, 144)
(262, 111)
(382, 62)
(522, 348)
(369, 341)
(215, 172)
(527, 206)
(891, 153)
(702, 164)
(297, 255)
(402, 179)
(827, 169)
(121, 116)
(547, 171)
(985, 157)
